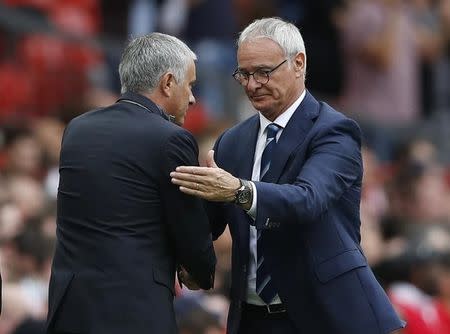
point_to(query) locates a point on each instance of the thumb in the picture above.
(210, 159)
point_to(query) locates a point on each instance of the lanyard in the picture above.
(170, 118)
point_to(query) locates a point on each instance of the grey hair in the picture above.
(147, 58)
(285, 34)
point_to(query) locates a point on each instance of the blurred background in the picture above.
(385, 63)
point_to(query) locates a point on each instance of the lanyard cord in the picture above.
(170, 118)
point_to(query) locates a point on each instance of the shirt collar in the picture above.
(284, 118)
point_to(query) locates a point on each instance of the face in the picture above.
(285, 84)
(181, 96)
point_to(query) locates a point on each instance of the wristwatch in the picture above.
(244, 193)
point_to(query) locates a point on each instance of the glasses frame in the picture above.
(247, 75)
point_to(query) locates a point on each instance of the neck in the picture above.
(155, 98)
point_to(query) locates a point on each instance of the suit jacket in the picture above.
(122, 226)
(308, 212)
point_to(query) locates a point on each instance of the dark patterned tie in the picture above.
(264, 285)
(271, 142)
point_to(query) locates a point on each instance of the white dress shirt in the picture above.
(281, 121)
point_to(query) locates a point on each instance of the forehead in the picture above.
(259, 52)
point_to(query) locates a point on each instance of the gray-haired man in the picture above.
(289, 187)
(122, 227)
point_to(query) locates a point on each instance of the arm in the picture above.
(216, 215)
(334, 164)
(185, 215)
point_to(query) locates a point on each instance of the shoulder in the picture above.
(87, 116)
(176, 133)
(178, 140)
(83, 122)
(331, 120)
(92, 118)
(329, 114)
(178, 148)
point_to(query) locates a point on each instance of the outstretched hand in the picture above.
(211, 183)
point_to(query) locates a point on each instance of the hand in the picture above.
(211, 183)
(186, 279)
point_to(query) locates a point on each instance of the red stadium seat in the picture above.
(74, 19)
(17, 95)
(40, 53)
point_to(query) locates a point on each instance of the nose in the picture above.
(252, 84)
(191, 99)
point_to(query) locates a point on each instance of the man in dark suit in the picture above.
(297, 263)
(122, 226)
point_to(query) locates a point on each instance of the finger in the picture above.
(189, 177)
(187, 184)
(193, 192)
(210, 159)
(193, 170)
(204, 194)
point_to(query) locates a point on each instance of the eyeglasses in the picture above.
(261, 76)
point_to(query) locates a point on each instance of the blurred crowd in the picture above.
(385, 63)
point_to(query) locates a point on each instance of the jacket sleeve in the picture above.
(185, 215)
(333, 165)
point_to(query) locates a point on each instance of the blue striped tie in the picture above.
(264, 285)
(271, 142)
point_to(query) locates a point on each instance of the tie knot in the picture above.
(272, 130)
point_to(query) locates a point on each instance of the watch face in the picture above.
(244, 196)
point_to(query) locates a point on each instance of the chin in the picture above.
(267, 113)
(261, 107)
(180, 120)
(258, 105)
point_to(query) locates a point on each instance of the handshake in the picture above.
(185, 278)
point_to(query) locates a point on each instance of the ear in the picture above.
(300, 64)
(166, 84)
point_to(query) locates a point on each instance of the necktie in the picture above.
(264, 285)
(271, 141)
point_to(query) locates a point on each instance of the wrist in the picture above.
(244, 194)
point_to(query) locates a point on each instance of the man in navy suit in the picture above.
(122, 226)
(289, 187)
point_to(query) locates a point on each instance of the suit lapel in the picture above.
(292, 136)
(246, 148)
(245, 156)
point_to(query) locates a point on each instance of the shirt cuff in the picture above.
(252, 211)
